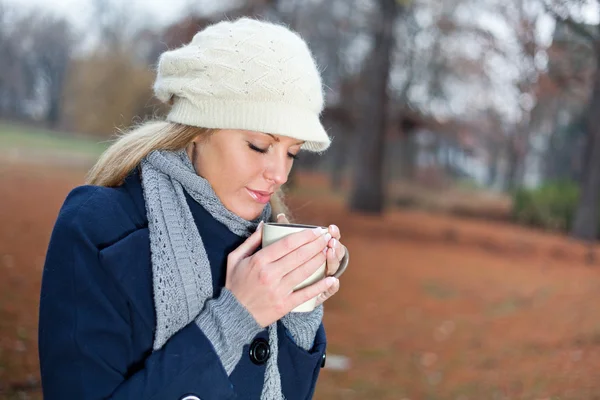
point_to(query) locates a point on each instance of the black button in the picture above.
(323, 360)
(260, 351)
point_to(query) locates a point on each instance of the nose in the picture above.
(277, 170)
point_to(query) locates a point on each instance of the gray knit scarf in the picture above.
(182, 279)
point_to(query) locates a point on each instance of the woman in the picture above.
(154, 285)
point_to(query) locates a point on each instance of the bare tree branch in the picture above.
(574, 25)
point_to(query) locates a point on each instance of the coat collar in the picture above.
(133, 185)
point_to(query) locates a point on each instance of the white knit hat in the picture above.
(245, 74)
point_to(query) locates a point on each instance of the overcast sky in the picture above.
(158, 13)
(162, 11)
(152, 12)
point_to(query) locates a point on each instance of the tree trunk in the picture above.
(586, 216)
(493, 164)
(513, 166)
(340, 156)
(408, 156)
(367, 194)
(54, 114)
(551, 157)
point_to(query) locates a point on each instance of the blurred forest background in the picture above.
(487, 109)
(488, 94)
(502, 95)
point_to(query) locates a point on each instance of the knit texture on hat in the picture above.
(245, 74)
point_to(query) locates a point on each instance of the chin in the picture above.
(248, 212)
(253, 215)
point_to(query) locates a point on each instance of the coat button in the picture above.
(260, 351)
(323, 360)
(190, 398)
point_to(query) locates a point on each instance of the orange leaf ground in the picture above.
(431, 307)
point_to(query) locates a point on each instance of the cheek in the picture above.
(243, 169)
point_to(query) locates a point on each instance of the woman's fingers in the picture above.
(335, 232)
(248, 247)
(293, 242)
(303, 254)
(333, 263)
(310, 292)
(335, 254)
(324, 296)
(340, 250)
(299, 274)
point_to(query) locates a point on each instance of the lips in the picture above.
(260, 196)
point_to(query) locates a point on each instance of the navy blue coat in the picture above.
(97, 317)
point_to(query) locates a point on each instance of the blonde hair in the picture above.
(130, 148)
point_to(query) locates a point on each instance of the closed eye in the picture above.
(257, 149)
(264, 151)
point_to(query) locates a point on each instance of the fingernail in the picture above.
(260, 225)
(280, 215)
(318, 231)
(327, 237)
(330, 281)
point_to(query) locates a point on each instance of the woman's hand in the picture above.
(264, 282)
(335, 253)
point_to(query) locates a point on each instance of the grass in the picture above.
(14, 136)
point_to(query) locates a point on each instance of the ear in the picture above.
(197, 139)
(190, 148)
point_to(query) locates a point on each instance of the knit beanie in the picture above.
(245, 74)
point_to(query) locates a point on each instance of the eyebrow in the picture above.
(277, 139)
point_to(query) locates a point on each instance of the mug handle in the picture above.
(343, 264)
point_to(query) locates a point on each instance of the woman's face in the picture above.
(244, 168)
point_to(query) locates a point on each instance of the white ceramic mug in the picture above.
(273, 231)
